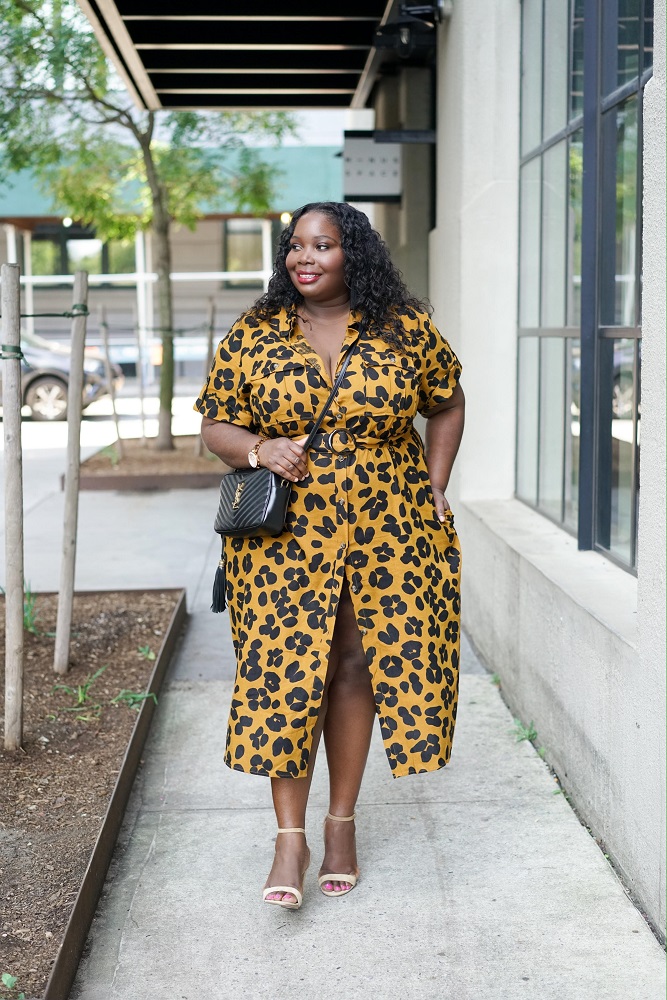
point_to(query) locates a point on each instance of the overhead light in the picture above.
(285, 218)
(67, 222)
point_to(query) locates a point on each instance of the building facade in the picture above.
(548, 208)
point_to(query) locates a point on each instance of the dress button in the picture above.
(362, 631)
(355, 588)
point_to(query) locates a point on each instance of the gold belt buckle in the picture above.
(345, 446)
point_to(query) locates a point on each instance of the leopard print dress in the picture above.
(364, 514)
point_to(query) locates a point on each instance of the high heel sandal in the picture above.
(288, 904)
(349, 878)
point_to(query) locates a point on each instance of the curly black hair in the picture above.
(376, 286)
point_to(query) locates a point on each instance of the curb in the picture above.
(149, 481)
(67, 960)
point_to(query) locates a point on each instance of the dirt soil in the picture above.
(54, 792)
(141, 458)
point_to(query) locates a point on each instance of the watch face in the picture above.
(253, 461)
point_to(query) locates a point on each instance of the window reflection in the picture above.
(528, 404)
(556, 31)
(572, 428)
(529, 279)
(243, 250)
(618, 247)
(576, 163)
(554, 228)
(647, 61)
(577, 60)
(552, 393)
(618, 475)
(84, 255)
(531, 74)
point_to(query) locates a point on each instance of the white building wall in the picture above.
(559, 626)
(653, 503)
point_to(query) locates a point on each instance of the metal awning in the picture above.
(264, 54)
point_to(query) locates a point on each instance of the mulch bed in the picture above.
(140, 456)
(54, 792)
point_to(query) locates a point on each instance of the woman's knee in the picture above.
(352, 669)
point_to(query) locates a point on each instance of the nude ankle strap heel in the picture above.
(291, 889)
(349, 878)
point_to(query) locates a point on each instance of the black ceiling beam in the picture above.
(156, 60)
(278, 101)
(344, 9)
(257, 34)
(253, 80)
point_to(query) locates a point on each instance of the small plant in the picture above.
(9, 982)
(524, 732)
(111, 452)
(146, 652)
(495, 679)
(81, 694)
(30, 612)
(133, 699)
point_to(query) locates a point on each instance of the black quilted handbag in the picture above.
(254, 502)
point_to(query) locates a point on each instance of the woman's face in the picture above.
(315, 260)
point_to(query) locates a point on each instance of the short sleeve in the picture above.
(440, 370)
(226, 393)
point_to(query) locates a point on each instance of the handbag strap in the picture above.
(327, 405)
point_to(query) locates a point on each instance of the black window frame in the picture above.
(590, 333)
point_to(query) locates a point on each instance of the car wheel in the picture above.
(47, 398)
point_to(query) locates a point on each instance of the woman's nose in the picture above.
(306, 256)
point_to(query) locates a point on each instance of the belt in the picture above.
(339, 441)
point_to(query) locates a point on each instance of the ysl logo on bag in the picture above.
(237, 496)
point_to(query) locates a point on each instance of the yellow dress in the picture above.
(364, 513)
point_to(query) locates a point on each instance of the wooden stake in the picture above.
(74, 408)
(208, 358)
(11, 405)
(104, 330)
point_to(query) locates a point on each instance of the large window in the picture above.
(58, 249)
(584, 67)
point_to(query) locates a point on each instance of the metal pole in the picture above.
(74, 408)
(11, 403)
(208, 357)
(104, 330)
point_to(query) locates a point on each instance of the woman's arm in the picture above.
(444, 429)
(232, 443)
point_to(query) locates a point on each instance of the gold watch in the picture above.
(253, 454)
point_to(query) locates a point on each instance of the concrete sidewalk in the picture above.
(478, 882)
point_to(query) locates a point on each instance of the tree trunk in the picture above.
(162, 258)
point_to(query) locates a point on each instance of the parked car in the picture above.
(45, 373)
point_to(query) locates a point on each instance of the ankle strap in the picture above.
(292, 829)
(341, 819)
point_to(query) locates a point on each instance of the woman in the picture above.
(352, 610)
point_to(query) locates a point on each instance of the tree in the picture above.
(66, 115)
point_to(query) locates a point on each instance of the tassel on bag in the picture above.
(219, 602)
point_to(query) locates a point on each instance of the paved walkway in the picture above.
(478, 881)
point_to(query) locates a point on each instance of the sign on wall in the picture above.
(372, 170)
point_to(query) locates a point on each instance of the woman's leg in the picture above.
(349, 694)
(290, 798)
(348, 727)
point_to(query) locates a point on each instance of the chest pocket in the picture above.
(281, 393)
(391, 385)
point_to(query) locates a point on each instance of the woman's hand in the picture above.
(440, 501)
(285, 457)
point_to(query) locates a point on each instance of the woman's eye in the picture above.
(322, 246)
